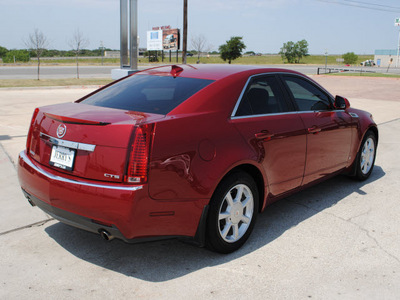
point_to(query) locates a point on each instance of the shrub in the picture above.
(3, 51)
(350, 58)
(20, 56)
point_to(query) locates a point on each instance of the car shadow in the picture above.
(165, 260)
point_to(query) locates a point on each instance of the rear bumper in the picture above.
(126, 212)
(71, 218)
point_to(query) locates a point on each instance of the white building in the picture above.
(385, 57)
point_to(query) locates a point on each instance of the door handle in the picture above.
(264, 135)
(314, 130)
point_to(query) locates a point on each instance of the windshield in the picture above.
(148, 93)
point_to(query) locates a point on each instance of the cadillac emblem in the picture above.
(61, 130)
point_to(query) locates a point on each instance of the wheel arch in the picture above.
(374, 129)
(351, 171)
(260, 180)
(258, 177)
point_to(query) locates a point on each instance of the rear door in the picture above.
(328, 130)
(275, 132)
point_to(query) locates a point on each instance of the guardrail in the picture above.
(338, 70)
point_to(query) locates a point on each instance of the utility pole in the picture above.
(184, 48)
(102, 52)
(326, 59)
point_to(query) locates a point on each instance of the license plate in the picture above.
(62, 157)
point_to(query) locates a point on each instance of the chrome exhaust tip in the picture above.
(105, 235)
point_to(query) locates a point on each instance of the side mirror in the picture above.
(341, 103)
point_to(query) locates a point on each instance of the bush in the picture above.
(350, 58)
(20, 56)
(3, 51)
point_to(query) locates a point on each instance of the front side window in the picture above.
(262, 96)
(148, 93)
(307, 96)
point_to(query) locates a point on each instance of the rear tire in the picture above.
(232, 214)
(366, 156)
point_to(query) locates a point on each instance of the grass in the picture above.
(384, 75)
(6, 83)
(267, 59)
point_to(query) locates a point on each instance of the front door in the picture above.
(328, 130)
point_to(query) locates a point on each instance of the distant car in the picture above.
(192, 152)
(189, 54)
(368, 63)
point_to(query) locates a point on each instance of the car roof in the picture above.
(210, 71)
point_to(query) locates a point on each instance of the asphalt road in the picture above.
(339, 239)
(57, 72)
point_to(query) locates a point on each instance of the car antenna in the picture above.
(175, 70)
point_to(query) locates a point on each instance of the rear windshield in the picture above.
(148, 93)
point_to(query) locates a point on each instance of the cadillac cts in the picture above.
(190, 152)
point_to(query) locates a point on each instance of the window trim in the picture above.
(287, 94)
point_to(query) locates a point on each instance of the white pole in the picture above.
(133, 34)
(398, 49)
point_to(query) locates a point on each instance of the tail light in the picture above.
(29, 137)
(138, 165)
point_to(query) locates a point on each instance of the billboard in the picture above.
(155, 40)
(163, 38)
(171, 39)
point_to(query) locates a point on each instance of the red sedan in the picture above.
(193, 152)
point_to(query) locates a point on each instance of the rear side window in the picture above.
(148, 93)
(262, 96)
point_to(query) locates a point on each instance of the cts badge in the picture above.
(111, 176)
(61, 130)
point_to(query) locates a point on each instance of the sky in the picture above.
(335, 26)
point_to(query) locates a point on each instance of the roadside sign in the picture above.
(397, 22)
(154, 40)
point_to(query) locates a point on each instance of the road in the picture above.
(339, 239)
(57, 72)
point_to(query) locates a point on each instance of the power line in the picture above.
(373, 4)
(384, 8)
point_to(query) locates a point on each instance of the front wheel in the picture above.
(366, 156)
(232, 214)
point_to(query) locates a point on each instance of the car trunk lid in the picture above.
(86, 141)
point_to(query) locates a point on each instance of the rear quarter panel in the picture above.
(196, 145)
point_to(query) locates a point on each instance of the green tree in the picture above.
(350, 58)
(301, 49)
(294, 52)
(232, 49)
(3, 51)
(288, 52)
(18, 55)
